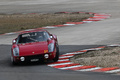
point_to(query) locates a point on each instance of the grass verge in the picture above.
(17, 22)
(107, 57)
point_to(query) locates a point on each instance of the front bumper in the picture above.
(33, 58)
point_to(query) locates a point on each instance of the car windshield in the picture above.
(33, 37)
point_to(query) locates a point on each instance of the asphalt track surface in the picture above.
(72, 38)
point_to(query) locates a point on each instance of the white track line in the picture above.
(49, 27)
(10, 33)
(59, 64)
(71, 67)
(65, 56)
(29, 29)
(114, 45)
(90, 49)
(75, 53)
(91, 69)
(113, 71)
(64, 60)
(69, 24)
(87, 21)
(98, 48)
(92, 19)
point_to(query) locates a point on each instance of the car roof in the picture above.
(35, 30)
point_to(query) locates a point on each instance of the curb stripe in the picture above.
(91, 69)
(59, 25)
(50, 27)
(71, 67)
(102, 47)
(113, 71)
(65, 56)
(106, 69)
(86, 21)
(82, 51)
(66, 65)
(73, 53)
(82, 67)
(59, 64)
(92, 19)
(74, 22)
(105, 15)
(64, 60)
(69, 24)
(98, 17)
(114, 45)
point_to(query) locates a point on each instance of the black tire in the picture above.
(57, 55)
(12, 61)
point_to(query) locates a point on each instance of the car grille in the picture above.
(28, 58)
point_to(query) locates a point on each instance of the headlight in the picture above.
(16, 51)
(51, 47)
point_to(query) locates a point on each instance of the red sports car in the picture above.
(35, 45)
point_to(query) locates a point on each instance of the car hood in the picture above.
(33, 48)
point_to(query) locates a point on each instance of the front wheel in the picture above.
(12, 61)
(57, 55)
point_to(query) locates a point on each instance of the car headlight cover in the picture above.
(51, 47)
(16, 51)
